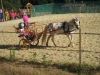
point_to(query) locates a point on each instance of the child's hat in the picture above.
(22, 24)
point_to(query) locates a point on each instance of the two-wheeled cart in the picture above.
(25, 43)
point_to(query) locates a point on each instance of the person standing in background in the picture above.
(24, 12)
(12, 14)
(1, 15)
(20, 13)
(6, 15)
(28, 12)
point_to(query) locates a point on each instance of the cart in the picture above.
(25, 43)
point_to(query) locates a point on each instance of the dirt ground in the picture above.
(90, 23)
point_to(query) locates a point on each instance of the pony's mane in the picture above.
(71, 22)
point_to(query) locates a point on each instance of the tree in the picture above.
(68, 1)
(9, 4)
(24, 2)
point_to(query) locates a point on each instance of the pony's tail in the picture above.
(44, 35)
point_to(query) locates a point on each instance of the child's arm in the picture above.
(16, 29)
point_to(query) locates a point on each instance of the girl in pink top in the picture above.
(12, 14)
(25, 19)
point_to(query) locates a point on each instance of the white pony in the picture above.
(66, 28)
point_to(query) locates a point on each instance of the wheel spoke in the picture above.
(23, 44)
(35, 43)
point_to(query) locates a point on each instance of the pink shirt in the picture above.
(26, 33)
(25, 18)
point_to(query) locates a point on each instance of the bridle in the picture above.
(76, 25)
(68, 27)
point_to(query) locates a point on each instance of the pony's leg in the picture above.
(53, 40)
(48, 40)
(70, 40)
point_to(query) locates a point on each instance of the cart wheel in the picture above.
(35, 43)
(24, 44)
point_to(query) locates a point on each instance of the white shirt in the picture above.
(21, 31)
(0, 10)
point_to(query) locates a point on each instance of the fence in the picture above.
(80, 48)
(7, 45)
(62, 8)
(91, 26)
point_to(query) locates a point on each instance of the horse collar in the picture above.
(65, 23)
(68, 28)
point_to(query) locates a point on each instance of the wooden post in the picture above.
(2, 10)
(52, 8)
(79, 49)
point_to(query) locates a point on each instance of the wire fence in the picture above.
(80, 50)
(63, 8)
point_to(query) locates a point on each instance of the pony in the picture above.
(67, 28)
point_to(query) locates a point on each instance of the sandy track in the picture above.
(90, 23)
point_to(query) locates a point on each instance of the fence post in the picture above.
(2, 11)
(79, 47)
(52, 8)
(79, 51)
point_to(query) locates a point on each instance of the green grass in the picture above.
(85, 69)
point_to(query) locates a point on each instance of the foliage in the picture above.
(15, 4)
(44, 59)
(9, 4)
(12, 54)
(34, 57)
(71, 67)
(22, 57)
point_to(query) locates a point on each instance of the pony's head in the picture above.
(77, 22)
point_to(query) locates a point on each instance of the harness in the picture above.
(68, 29)
(63, 26)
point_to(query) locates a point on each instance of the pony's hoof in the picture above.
(70, 45)
(46, 44)
(55, 45)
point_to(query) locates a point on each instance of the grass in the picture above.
(12, 54)
(11, 66)
(8, 67)
(25, 68)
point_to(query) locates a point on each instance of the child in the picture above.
(25, 19)
(24, 31)
(20, 29)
